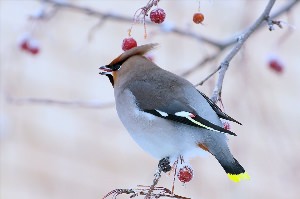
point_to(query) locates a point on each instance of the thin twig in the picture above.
(285, 8)
(201, 63)
(157, 176)
(209, 76)
(81, 104)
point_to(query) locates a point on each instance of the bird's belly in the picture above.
(159, 137)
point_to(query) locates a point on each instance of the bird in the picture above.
(165, 114)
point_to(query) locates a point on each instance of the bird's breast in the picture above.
(157, 136)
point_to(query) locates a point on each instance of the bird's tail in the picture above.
(234, 170)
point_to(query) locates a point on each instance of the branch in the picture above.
(201, 63)
(109, 16)
(241, 40)
(228, 42)
(285, 8)
(155, 181)
(221, 45)
(87, 11)
(143, 191)
(81, 104)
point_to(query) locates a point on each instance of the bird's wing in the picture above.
(190, 119)
(168, 107)
(218, 111)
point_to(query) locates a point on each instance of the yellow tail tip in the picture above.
(238, 177)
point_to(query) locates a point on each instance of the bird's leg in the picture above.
(163, 165)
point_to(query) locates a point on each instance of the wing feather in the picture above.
(189, 119)
(218, 111)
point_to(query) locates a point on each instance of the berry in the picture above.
(24, 45)
(198, 18)
(29, 45)
(24, 40)
(276, 65)
(157, 15)
(34, 50)
(33, 46)
(128, 43)
(185, 174)
(226, 125)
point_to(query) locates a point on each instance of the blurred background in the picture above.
(79, 149)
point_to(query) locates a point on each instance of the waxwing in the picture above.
(165, 114)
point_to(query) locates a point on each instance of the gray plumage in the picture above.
(141, 85)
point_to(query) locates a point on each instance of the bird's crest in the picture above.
(139, 50)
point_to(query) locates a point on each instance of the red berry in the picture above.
(128, 43)
(157, 15)
(276, 65)
(24, 45)
(226, 125)
(34, 51)
(33, 46)
(198, 18)
(185, 174)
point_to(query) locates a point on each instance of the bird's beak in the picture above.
(105, 70)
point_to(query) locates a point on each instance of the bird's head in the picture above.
(113, 69)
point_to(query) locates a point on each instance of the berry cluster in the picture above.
(157, 15)
(29, 45)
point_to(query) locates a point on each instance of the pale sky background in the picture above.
(59, 152)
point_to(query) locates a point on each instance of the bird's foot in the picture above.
(164, 165)
(151, 192)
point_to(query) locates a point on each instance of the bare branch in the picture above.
(201, 63)
(219, 44)
(81, 104)
(110, 16)
(183, 32)
(241, 40)
(285, 8)
(209, 76)
(143, 191)
(222, 45)
(87, 11)
(155, 181)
